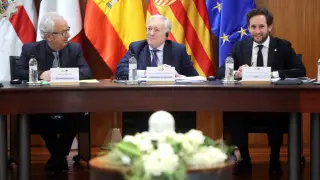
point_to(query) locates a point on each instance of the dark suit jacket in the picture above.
(70, 56)
(281, 58)
(174, 54)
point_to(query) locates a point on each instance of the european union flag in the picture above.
(228, 22)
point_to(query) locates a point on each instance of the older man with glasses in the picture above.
(52, 52)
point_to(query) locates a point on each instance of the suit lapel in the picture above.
(48, 56)
(167, 53)
(63, 57)
(271, 52)
(145, 57)
(43, 61)
(248, 52)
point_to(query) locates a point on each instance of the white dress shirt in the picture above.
(264, 51)
(159, 54)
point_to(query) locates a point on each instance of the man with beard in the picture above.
(261, 50)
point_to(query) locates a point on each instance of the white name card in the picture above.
(64, 74)
(161, 73)
(256, 74)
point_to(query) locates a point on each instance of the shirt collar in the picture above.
(265, 43)
(50, 50)
(160, 48)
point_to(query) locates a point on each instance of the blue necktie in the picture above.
(154, 61)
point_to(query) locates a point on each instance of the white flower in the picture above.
(164, 136)
(141, 140)
(125, 160)
(206, 157)
(151, 165)
(165, 150)
(145, 145)
(188, 147)
(160, 161)
(170, 163)
(179, 137)
(144, 135)
(164, 160)
(195, 136)
(129, 138)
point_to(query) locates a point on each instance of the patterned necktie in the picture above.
(55, 62)
(155, 59)
(260, 57)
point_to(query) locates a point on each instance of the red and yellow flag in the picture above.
(190, 26)
(111, 25)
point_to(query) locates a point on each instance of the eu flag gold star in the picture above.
(218, 6)
(243, 32)
(225, 38)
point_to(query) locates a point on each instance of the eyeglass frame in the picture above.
(62, 33)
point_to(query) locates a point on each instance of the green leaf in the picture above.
(175, 146)
(179, 174)
(219, 144)
(129, 149)
(209, 142)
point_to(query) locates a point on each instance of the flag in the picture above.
(111, 25)
(70, 10)
(18, 20)
(228, 23)
(191, 27)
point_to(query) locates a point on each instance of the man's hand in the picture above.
(238, 73)
(45, 75)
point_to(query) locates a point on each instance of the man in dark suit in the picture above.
(52, 52)
(262, 50)
(156, 50)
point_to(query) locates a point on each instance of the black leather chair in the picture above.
(263, 129)
(82, 127)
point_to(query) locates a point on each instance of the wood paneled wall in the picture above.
(294, 20)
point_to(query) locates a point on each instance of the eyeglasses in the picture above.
(62, 33)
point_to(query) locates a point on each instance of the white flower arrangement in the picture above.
(167, 157)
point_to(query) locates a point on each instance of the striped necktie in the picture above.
(155, 59)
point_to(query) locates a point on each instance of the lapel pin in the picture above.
(275, 50)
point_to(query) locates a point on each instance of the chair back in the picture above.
(299, 56)
(13, 62)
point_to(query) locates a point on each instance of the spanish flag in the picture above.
(111, 25)
(191, 27)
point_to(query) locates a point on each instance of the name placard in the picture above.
(64, 74)
(161, 74)
(256, 74)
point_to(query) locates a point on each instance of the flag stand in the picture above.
(114, 134)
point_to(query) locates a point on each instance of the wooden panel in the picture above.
(208, 120)
(101, 124)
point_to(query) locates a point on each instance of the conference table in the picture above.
(207, 96)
